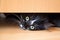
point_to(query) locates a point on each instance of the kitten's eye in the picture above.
(32, 27)
(27, 18)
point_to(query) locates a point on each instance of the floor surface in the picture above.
(11, 31)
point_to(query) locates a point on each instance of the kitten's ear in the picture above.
(2, 15)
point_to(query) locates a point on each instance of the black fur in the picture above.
(41, 21)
